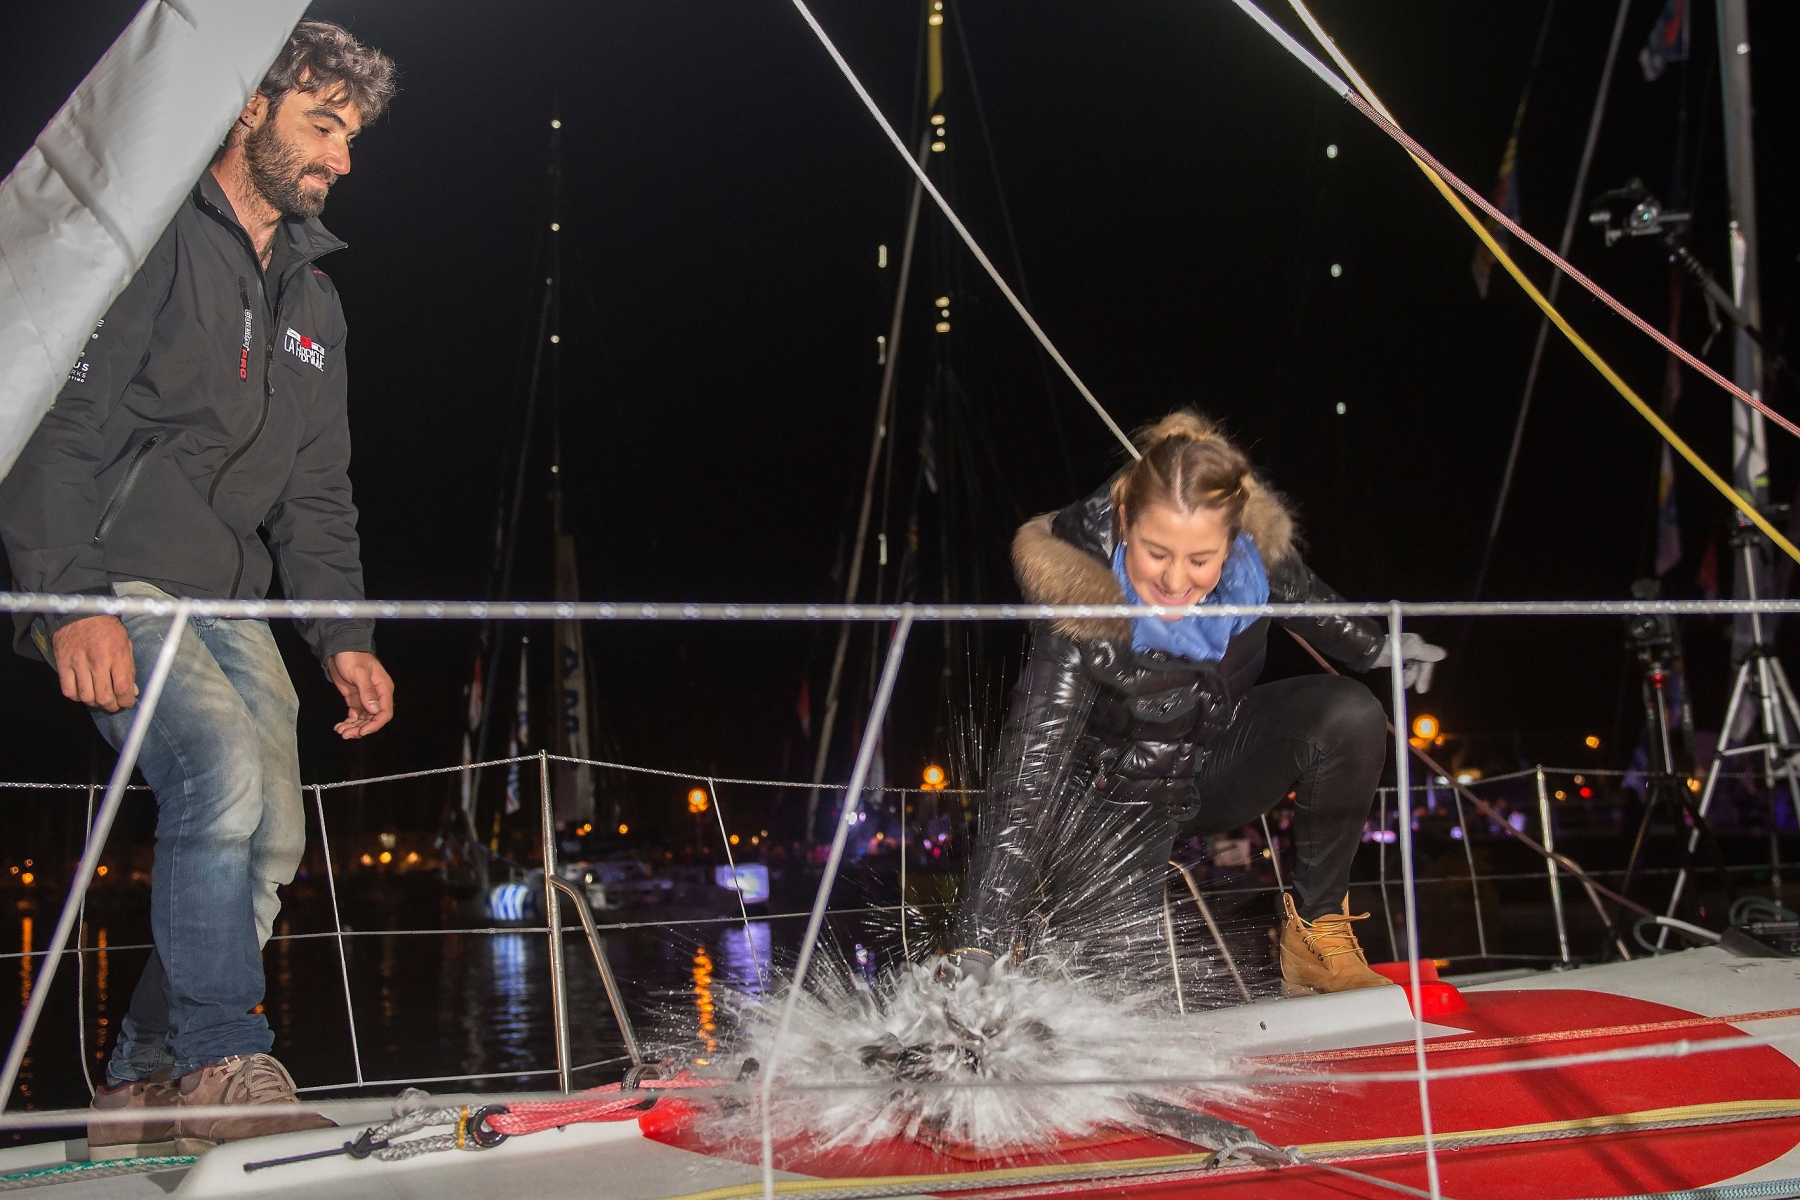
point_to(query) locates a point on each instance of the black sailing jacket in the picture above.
(1131, 725)
(209, 406)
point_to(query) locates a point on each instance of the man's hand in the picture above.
(95, 664)
(367, 689)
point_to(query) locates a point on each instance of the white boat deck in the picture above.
(615, 1161)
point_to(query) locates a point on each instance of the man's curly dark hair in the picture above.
(322, 57)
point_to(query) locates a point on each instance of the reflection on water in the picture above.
(509, 1008)
(102, 990)
(460, 1004)
(26, 1075)
(745, 949)
(703, 999)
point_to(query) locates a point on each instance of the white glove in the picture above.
(1418, 658)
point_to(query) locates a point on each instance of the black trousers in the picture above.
(1322, 737)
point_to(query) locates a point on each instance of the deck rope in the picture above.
(1448, 184)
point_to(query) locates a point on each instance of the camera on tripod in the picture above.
(1651, 635)
(1631, 211)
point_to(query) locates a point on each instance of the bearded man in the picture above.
(200, 442)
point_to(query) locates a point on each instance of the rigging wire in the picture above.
(1556, 277)
(1012, 239)
(1449, 184)
(987, 264)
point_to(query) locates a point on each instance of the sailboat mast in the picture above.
(883, 401)
(1749, 439)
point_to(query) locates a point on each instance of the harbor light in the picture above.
(934, 778)
(1331, 150)
(585, 828)
(100, 870)
(624, 829)
(1425, 726)
(1337, 269)
(697, 801)
(1593, 743)
(937, 118)
(943, 302)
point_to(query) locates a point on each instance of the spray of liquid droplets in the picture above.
(1059, 965)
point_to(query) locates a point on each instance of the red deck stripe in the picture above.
(1526, 1039)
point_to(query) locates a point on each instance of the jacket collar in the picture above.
(307, 238)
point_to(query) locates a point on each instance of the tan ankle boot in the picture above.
(1323, 955)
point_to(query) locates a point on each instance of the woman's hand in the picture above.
(1418, 658)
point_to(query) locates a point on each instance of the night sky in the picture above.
(1173, 217)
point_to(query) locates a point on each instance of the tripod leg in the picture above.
(1738, 687)
(1653, 787)
(1790, 710)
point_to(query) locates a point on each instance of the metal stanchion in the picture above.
(1556, 900)
(1402, 788)
(337, 926)
(1474, 883)
(559, 998)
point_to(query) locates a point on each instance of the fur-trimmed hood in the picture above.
(1065, 557)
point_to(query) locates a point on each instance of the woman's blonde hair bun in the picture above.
(1188, 464)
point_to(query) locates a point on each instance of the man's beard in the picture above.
(279, 171)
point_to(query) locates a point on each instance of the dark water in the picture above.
(427, 1005)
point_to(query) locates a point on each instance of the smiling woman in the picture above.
(1126, 734)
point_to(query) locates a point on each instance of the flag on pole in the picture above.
(475, 696)
(521, 735)
(1506, 199)
(574, 791)
(1669, 39)
(468, 778)
(1668, 517)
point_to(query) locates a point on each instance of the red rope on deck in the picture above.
(609, 1103)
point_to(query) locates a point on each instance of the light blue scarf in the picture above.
(1202, 639)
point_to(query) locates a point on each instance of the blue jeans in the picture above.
(222, 759)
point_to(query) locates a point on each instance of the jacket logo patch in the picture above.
(304, 348)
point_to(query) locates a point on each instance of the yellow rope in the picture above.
(1504, 259)
(1606, 372)
(1715, 1113)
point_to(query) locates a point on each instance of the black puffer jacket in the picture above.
(1087, 704)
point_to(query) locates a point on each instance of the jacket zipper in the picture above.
(126, 482)
(237, 576)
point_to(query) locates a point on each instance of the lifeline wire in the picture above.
(963, 231)
(1445, 180)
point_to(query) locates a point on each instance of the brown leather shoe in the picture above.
(256, 1081)
(135, 1139)
(1323, 955)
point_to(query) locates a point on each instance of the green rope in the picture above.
(102, 1169)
